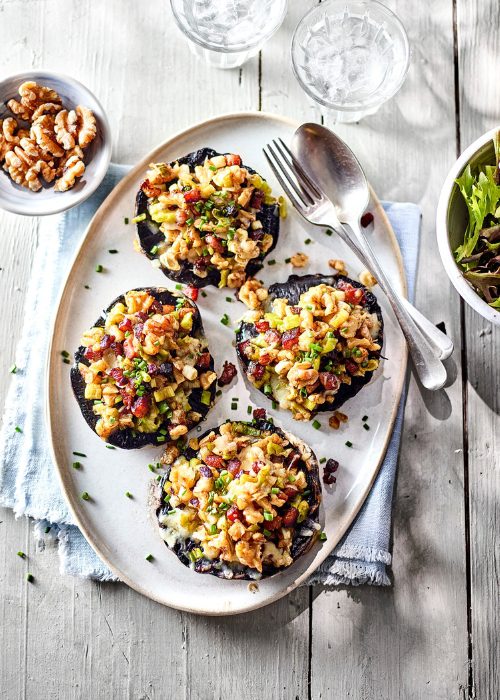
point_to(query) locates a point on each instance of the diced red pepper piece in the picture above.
(141, 406)
(233, 466)
(128, 347)
(192, 293)
(214, 461)
(262, 326)
(233, 159)
(192, 195)
(125, 325)
(353, 295)
(290, 338)
(255, 370)
(234, 514)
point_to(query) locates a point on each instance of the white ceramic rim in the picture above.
(90, 188)
(453, 271)
(53, 356)
(355, 106)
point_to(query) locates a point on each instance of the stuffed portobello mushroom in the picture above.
(315, 344)
(143, 373)
(241, 501)
(206, 219)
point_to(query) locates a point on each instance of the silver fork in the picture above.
(313, 205)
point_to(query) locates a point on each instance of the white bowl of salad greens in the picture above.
(468, 225)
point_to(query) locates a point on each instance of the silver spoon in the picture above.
(328, 160)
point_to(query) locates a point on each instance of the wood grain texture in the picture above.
(67, 638)
(479, 100)
(416, 631)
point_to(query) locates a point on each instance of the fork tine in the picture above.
(293, 163)
(289, 177)
(295, 202)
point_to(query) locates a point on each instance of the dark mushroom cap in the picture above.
(301, 543)
(291, 290)
(149, 234)
(126, 438)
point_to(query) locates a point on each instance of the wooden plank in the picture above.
(411, 640)
(479, 98)
(150, 651)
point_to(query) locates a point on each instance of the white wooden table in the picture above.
(434, 633)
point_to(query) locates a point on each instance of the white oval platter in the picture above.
(121, 530)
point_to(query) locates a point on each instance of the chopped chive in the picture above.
(218, 392)
(268, 390)
(316, 424)
(13, 369)
(322, 536)
(18, 429)
(64, 353)
(21, 554)
(76, 465)
(249, 410)
(47, 529)
(364, 419)
(322, 460)
(307, 241)
(154, 250)
(126, 220)
(348, 443)
(229, 300)
(99, 268)
(113, 251)
(79, 454)
(151, 467)
(366, 426)
(271, 262)
(203, 294)
(266, 532)
(150, 557)
(268, 515)
(288, 260)
(128, 494)
(30, 578)
(136, 219)
(234, 407)
(275, 490)
(189, 222)
(225, 320)
(274, 405)
(213, 529)
(111, 447)
(178, 286)
(85, 496)
(66, 360)
(86, 286)
(329, 232)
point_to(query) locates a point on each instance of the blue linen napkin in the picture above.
(28, 482)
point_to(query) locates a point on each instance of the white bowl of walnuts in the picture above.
(55, 143)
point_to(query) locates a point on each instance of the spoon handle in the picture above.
(429, 368)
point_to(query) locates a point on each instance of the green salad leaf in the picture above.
(482, 196)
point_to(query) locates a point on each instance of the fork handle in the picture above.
(429, 368)
(440, 342)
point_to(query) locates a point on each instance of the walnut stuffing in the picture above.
(50, 146)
